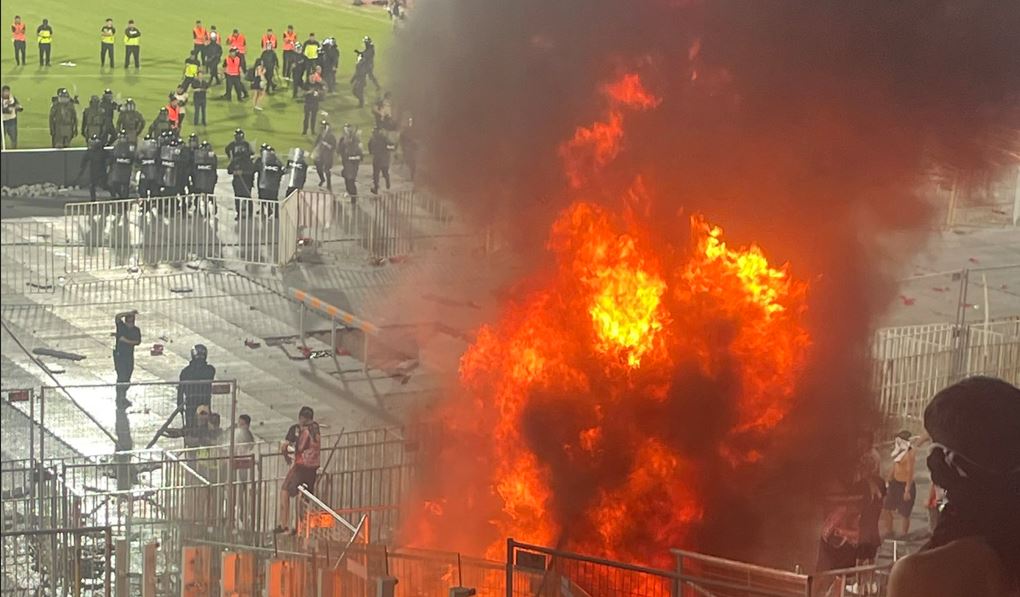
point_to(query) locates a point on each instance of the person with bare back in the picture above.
(902, 492)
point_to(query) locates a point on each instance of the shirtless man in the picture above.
(902, 491)
(975, 457)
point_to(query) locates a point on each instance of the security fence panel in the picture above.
(26, 252)
(331, 224)
(71, 562)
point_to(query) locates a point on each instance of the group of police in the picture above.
(96, 120)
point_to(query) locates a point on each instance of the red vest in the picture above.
(269, 42)
(233, 66)
(174, 115)
(237, 41)
(18, 31)
(201, 35)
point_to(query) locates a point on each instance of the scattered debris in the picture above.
(181, 289)
(377, 261)
(54, 369)
(40, 286)
(46, 189)
(59, 354)
(251, 343)
(973, 260)
(907, 300)
(157, 350)
(399, 258)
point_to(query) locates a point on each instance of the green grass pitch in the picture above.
(166, 42)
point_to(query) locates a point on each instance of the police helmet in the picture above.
(263, 147)
(205, 145)
(270, 149)
(193, 136)
(94, 137)
(62, 92)
(367, 40)
(163, 110)
(108, 91)
(239, 133)
(123, 133)
(199, 352)
(148, 137)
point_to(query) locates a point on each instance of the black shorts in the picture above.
(894, 498)
(297, 476)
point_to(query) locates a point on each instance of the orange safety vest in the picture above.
(237, 41)
(201, 35)
(173, 113)
(18, 31)
(233, 66)
(269, 42)
(289, 41)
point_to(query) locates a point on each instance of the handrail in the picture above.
(742, 566)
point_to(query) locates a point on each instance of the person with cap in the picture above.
(132, 44)
(130, 120)
(324, 153)
(233, 69)
(195, 387)
(63, 119)
(128, 336)
(106, 37)
(975, 456)
(902, 489)
(44, 35)
(18, 37)
(305, 440)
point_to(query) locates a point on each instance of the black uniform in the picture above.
(409, 148)
(381, 148)
(312, 97)
(193, 394)
(358, 81)
(149, 176)
(297, 171)
(203, 173)
(325, 148)
(241, 167)
(350, 157)
(170, 161)
(368, 60)
(109, 108)
(297, 75)
(95, 160)
(270, 171)
(121, 157)
(271, 64)
(213, 56)
(330, 60)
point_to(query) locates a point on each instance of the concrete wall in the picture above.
(33, 166)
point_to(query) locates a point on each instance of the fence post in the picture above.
(232, 492)
(364, 363)
(123, 558)
(510, 567)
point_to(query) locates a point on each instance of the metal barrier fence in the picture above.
(27, 257)
(125, 233)
(66, 562)
(912, 363)
(991, 202)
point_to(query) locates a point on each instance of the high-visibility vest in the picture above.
(18, 31)
(201, 35)
(237, 41)
(311, 50)
(173, 114)
(45, 36)
(289, 41)
(190, 69)
(106, 34)
(233, 66)
(132, 41)
(269, 42)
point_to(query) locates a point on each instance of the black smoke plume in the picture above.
(808, 127)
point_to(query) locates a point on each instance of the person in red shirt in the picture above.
(237, 40)
(173, 113)
(232, 69)
(18, 35)
(289, 49)
(200, 37)
(305, 439)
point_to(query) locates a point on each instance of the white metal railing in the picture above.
(26, 247)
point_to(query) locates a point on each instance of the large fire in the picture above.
(622, 379)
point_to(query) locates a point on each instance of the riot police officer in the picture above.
(325, 152)
(367, 60)
(131, 121)
(95, 160)
(109, 107)
(149, 175)
(169, 161)
(381, 147)
(350, 158)
(312, 96)
(162, 123)
(63, 119)
(93, 120)
(330, 61)
(239, 154)
(120, 166)
(187, 162)
(203, 171)
(270, 172)
(297, 171)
